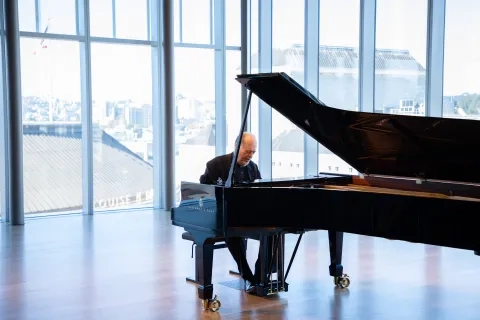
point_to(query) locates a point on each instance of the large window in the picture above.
(338, 67)
(287, 56)
(122, 125)
(461, 86)
(195, 112)
(233, 97)
(54, 16)
(233, 64)
(55, 80)
(192, 20)
(400, 56)
(125, 19)
(26, 15)
(51, 125)
(232, 23)
(254, 60)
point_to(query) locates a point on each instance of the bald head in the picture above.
(247, 148)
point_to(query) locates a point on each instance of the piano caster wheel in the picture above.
(342, 282)
(211, 304)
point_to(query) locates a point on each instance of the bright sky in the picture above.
(122, 72)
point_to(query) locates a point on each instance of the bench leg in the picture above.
(197, 261)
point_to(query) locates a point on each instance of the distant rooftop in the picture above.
(344, 58)
(53, 169)
(206, 137)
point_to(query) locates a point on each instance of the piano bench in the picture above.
(188, 236)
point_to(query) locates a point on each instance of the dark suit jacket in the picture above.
(219, 167)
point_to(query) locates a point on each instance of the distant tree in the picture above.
(470, 103)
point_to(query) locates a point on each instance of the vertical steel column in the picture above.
(245, 47)
(15, 134)
(311, 68)
(38, 16)
(265, 65)
(168, 122)
(435, 57)
(83, 18)
(220, 78)
(155, 28)
(114, 19)
(4, 174)
(366, 90)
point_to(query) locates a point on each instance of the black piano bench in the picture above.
(218, 243)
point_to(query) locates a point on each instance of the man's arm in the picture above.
(206, 178)
(259, 176)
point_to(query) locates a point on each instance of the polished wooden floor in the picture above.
(132, 265)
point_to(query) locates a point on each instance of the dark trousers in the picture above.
(238, 249)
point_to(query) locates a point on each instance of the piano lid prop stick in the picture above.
(228, 183)
(282, 263)
(293, 256)
(270, 275)
(278, 256)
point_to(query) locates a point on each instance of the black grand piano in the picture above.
(418, 181)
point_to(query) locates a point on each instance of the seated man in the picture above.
(246, 171)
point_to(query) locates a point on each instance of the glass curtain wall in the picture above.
(400, 56)
(338, 58)
(208, 98)
(385, 70)
(461, 83)
(75, 81)
(102, 77)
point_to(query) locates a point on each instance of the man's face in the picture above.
(247, 150)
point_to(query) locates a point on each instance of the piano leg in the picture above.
(204, 265)
(335, 240)
(265, 254)
(477, 252)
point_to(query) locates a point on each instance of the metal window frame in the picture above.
(435, 58)
(220, 76)
(265, 65)
(114, 19)
(246, 53)
(311, 77)
(158, 107)
(180, 22)
(38, 18)
(213, 18)
(366, 84)
(83, 18)
(149, 18)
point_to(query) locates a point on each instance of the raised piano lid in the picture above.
(377, 143)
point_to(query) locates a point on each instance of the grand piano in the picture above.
(418, 180)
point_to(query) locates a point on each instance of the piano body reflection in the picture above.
(418, 181)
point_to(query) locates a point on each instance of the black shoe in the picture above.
(252, 289)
